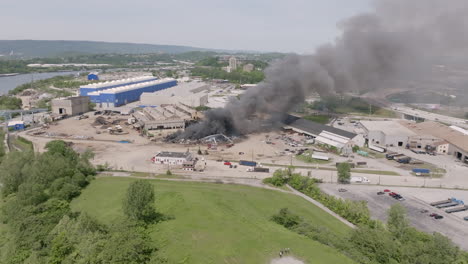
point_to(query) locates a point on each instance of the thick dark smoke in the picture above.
(399, 40)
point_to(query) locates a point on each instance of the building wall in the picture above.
(443, 149)
(117, 99)
(422, 141)
(380, 138)
(164, 124)
(359, 140)
(71, 105)
(459, 153)
(169, 160)
(84, 90)
(376, 137)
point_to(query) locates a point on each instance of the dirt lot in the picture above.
(94, 128)
(270, 149)
(452, 225)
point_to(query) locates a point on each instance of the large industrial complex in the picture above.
(192, 94)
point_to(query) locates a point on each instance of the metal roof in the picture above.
(441, 131)
(392, 128)
(168, 154)
(131, 87)
(316, 128)
(118, 82)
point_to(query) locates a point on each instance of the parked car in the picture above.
(342, 190)
(380, 193)
(433, 214)
(386, 190)
(438, 217)
(465, 218)
(227, 163)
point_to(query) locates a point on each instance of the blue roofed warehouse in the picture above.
(118, 95)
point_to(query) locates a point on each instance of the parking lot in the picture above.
(416, 200)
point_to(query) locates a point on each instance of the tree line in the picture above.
(372, 241)
(390, 243)
(37, 189)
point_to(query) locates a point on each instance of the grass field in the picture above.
(322, 119)
(216, 223)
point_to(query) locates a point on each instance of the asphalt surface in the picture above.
(452, 225)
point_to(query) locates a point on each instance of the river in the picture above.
(11, 82)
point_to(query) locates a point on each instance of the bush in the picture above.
(286, 218)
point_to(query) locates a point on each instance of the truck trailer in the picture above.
(258, 169)
(441, 202)
(447, 205)
(377, 148)
(457, 209)
(248, 163)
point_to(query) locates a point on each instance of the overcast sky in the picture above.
(264, 25)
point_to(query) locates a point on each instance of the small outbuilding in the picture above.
(172, 158)
(70, 106)
(16, 125)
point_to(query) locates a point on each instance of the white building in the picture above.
(323, 134)
(442, 147)
(387, 133)
(233, 63)
(172, 158)
(191, 94)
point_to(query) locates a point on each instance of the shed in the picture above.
(16, 125)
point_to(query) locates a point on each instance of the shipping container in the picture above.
(248, 163)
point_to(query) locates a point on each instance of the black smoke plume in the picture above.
(399, 40)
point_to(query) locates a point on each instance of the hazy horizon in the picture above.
(296, 26)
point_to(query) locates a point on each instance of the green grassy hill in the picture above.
(217, 223)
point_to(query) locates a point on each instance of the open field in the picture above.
(417, 199)
(215, 223)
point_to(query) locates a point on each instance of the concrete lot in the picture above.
(452, 225)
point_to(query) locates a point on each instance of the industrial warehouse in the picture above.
(172, 116)
(118, 93)
(192, 94)
(326, 135)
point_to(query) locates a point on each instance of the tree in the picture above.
(397, 222)
(139, 201)
(344, 172)
(128, 243)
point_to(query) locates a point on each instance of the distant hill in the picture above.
(52, 48)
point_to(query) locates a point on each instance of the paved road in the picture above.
(430, 116)
(452, 226)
